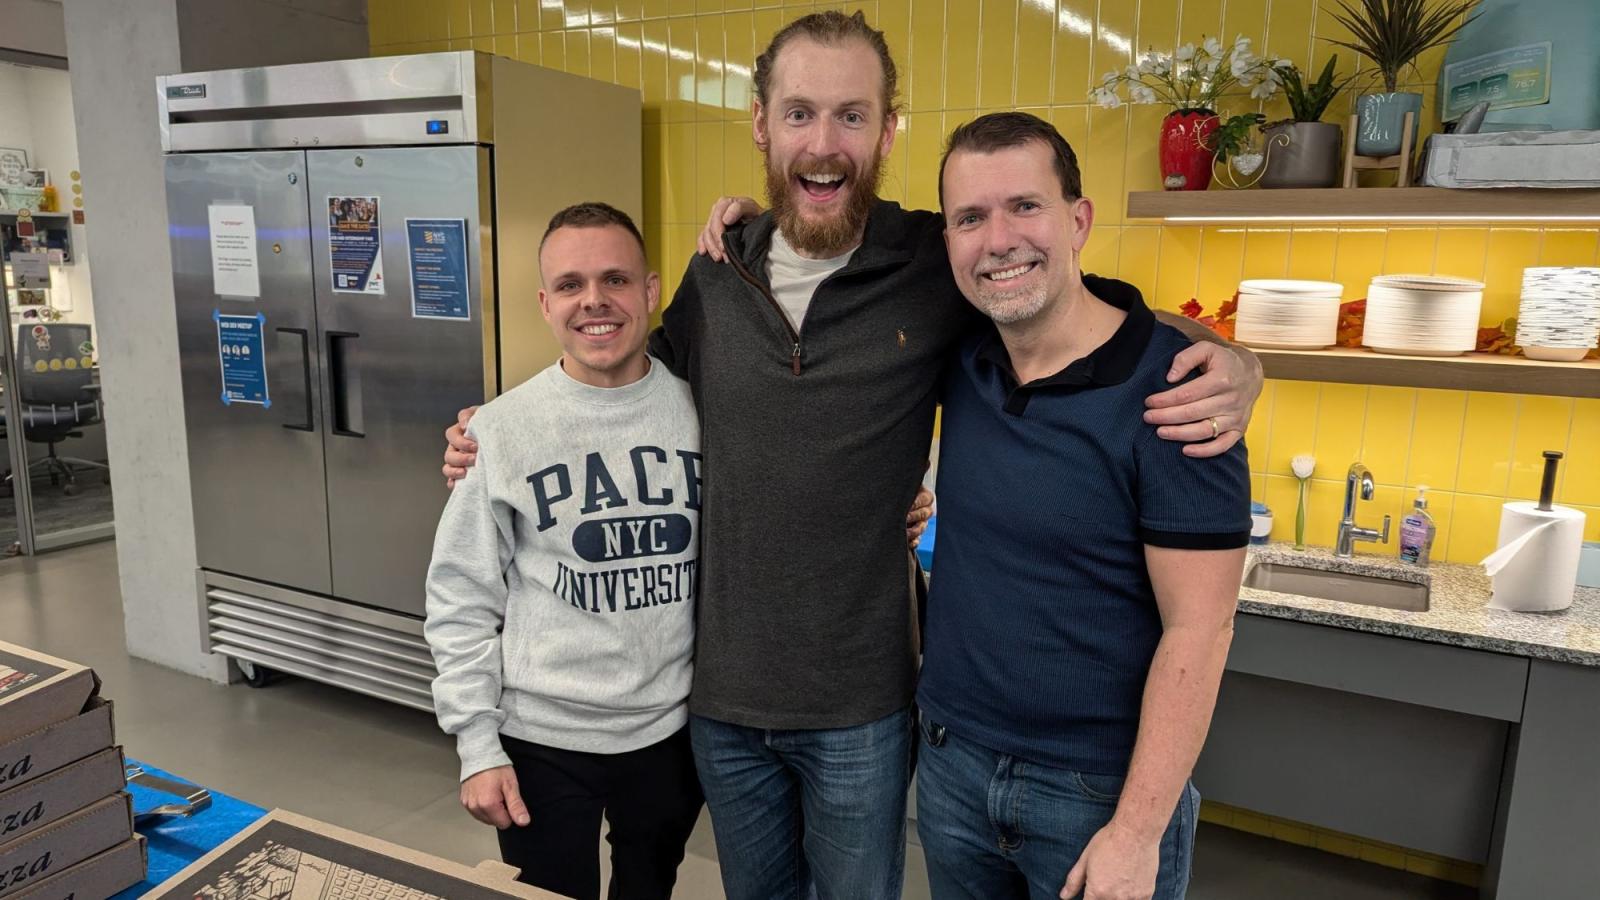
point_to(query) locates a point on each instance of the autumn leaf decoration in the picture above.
(1222, 322)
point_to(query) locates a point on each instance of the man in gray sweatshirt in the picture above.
(561, 592)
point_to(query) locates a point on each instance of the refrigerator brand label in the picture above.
(355, 245)
(244, 359)
(437, 249)
(185, 91)
(234, 268)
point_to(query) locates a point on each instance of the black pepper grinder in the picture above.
(1547, 488)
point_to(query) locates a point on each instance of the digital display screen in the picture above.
(438, 126)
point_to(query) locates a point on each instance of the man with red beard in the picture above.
(814, 357)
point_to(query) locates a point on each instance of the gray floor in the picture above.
(387, 771)
(55, 511)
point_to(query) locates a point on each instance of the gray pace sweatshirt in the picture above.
(561, 593)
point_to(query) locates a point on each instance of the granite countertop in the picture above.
(1458, 613)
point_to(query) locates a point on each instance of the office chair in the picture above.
(55, 395)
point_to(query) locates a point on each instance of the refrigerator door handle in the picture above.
(305, 423)
(346, 378)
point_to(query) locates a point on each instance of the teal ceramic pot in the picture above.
(1381, 118)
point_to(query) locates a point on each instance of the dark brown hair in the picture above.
(829, 28)
(593, 214)
(1003, 130)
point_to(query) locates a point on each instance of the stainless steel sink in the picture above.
(1345, 587)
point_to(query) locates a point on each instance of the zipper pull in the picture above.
(794, 361)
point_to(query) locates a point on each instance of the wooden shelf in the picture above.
(1417, 204)
(1471, 372)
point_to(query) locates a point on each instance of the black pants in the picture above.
(650, 798)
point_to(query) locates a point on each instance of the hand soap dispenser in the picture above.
(1417, 531)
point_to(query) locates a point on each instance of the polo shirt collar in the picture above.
(1111, 363)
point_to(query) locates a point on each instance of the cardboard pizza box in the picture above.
(41, 752)
(102, 875)
(284, 855)
(37, 690)
(48, 798)
(36, 856)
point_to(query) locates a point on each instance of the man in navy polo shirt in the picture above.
(1087, 570)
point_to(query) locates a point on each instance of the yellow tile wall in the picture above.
(959, 58)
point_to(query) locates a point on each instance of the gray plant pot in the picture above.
(1382, 117)
(1303, 155)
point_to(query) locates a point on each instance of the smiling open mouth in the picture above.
(821, 187)
(1011, 273)
(599, 330)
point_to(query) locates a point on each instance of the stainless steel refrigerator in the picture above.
(354, 254)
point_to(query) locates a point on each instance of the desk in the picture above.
(175, 843)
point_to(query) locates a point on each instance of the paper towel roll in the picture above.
(1536, 567)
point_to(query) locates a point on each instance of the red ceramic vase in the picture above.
(1185, 160)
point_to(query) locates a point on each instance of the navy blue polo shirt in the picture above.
(1042, 623)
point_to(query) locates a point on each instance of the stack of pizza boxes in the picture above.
(66, 823)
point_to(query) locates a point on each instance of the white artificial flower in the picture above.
(1241, 46)
(1141, 93)
(1105, 98)
(1109, 79)
(1163, 65)
(1213, 48)
(1147, 63)
(1185, 53)
(1241, 64)
(1263, 90)
(1131, 73)
(1209, 67)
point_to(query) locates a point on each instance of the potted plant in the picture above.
(1238, 149)
(1190, 79)
(1303, 151)
(1393, 33)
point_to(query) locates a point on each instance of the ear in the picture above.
(891, 125)
(544, 305)
(1082, 222)
(652, 291)
(758, 125)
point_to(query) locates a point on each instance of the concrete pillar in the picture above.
(115, 50)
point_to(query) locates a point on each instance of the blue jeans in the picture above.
(995, 827)
(814, 813)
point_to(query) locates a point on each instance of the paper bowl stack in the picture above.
(1559, 318)
(1285, 314)
(1422, 315)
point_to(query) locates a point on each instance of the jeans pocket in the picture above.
(1100, 788)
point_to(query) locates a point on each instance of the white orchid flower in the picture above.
(1131, 73)
(1263, 90)
(1142, 93)
(1109, 79)
(1105, 98)
(1241, 46)
(1185, 53)
(1213, 48)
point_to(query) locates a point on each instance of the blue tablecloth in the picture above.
(925, 546)
(175, 843)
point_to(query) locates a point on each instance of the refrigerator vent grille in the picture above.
(352, 647)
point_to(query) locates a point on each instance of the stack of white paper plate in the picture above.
(1560, 314)
(1285, 314)
(1422, 315)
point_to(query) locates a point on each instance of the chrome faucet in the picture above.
(1349, 531)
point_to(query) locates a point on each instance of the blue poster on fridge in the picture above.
(437, 249)
(244, 360)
